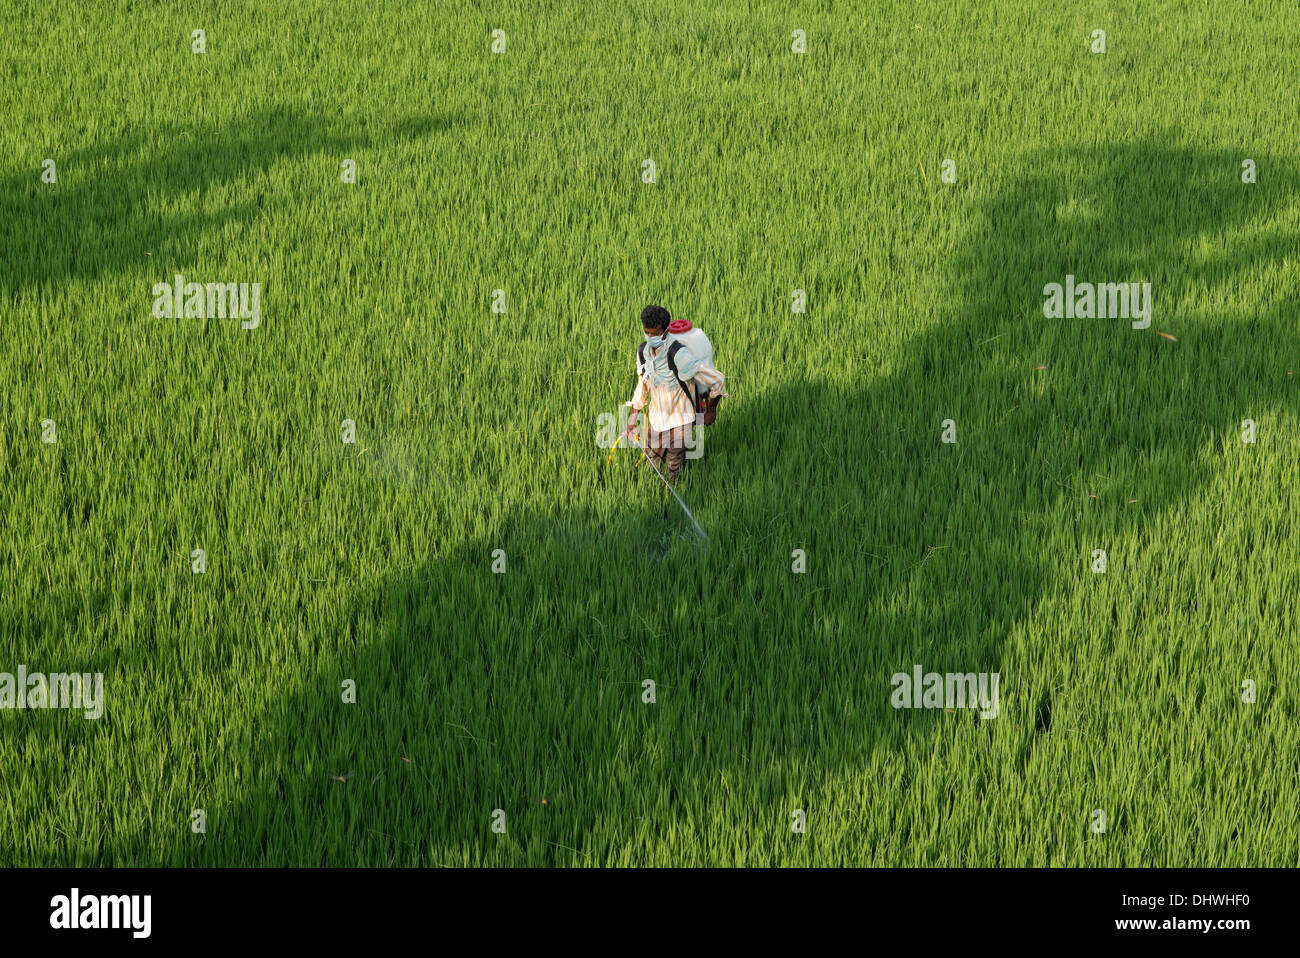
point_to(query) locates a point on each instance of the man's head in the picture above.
(655, 320)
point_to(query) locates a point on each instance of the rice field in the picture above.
(430, 645)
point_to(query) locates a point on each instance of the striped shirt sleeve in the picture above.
(639, 397)
(704, 374)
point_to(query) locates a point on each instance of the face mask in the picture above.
(655, 342)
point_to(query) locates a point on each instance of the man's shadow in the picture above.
(524, 691)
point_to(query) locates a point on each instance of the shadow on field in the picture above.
(116, 200)
(504, 690)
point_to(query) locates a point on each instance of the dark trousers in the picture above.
(667, 450)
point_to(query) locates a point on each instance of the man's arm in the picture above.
(638, 401)
(639, 397)
(704, 374)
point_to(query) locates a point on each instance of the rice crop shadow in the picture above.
(506, 689)
(117, 199)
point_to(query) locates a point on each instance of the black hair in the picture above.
(655, 317)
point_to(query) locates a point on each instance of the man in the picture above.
(667, 373)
